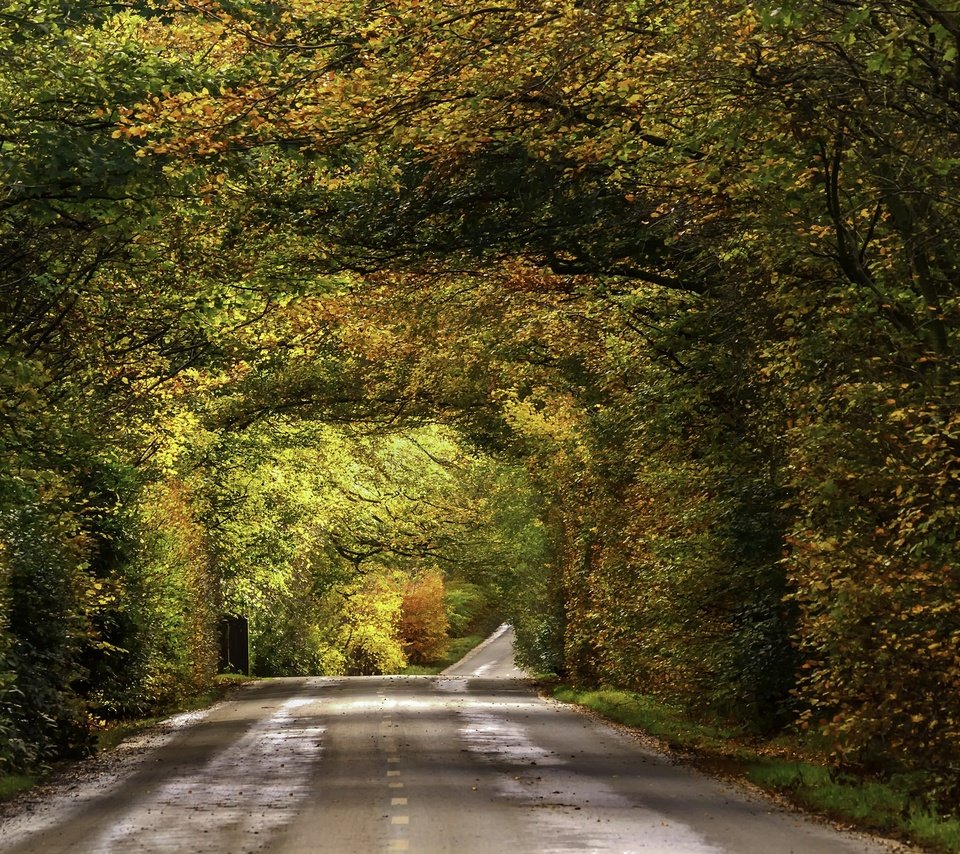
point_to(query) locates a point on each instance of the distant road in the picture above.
(493, 659)
(467, 762)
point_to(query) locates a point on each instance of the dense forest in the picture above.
(632, 322)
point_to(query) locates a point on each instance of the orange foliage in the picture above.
(423, 618)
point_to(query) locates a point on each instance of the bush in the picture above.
(423, 617)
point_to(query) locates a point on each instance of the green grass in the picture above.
(890, 806)
(941, 833)
(654, 718)
(13, 784)
(864, 801)
(457, 648)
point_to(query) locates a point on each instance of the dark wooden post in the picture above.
(235, 645)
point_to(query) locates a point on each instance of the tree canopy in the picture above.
(633, 322)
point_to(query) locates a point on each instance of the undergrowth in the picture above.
(13, 784)
(457, 648)
(111, 733)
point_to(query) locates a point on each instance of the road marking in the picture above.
(395, 785)
(399, 845)
(398, 802)
(393, 759)
(393, 773)
(400, 819)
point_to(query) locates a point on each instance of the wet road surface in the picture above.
(471, 761)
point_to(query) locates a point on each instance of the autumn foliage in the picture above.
(423, 617)
(639, 317)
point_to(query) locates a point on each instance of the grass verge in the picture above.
(14, 784)
(793, 767)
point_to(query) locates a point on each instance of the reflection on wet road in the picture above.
(470, 761)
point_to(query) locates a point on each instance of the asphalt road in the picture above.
(471, 761)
